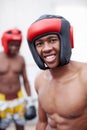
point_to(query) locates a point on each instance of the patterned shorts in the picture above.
(13, 110)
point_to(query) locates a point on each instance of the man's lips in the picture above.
(50, 58)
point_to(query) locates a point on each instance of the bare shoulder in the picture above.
(83, 75)
(83, 66)
(39, 80)
(82, 70)
(2, 54)
(21, 58)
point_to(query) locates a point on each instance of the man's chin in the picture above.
(13, 54)
(52, 66)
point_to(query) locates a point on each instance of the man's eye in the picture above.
(38, 44)
(53, 40)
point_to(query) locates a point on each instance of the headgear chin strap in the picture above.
(11, 35)
(50, 24)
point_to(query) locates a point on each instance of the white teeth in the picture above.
(50, 58)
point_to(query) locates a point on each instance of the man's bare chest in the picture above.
(10, 66)
(67, 99)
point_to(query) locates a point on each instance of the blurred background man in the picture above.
(12, 66)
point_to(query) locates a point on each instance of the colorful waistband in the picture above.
(3, 96)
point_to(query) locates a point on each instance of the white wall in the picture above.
(21, 13)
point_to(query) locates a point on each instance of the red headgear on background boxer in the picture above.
(11, 35)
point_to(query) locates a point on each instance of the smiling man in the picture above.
(62, 86)
(49, 41)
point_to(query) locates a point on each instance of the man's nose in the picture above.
(47, 46)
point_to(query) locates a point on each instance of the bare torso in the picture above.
(65, 100)
(10, 69)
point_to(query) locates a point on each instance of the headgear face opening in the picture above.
(10, 35)
(49, 24)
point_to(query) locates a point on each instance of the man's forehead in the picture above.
(14, 42)
(47, 37)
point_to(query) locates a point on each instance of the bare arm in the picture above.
(42, 118)
(25, 80)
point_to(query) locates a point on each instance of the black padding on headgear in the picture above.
(36, 57)
(65, 45)
(65, 42)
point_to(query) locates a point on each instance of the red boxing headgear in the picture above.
(10, 35)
